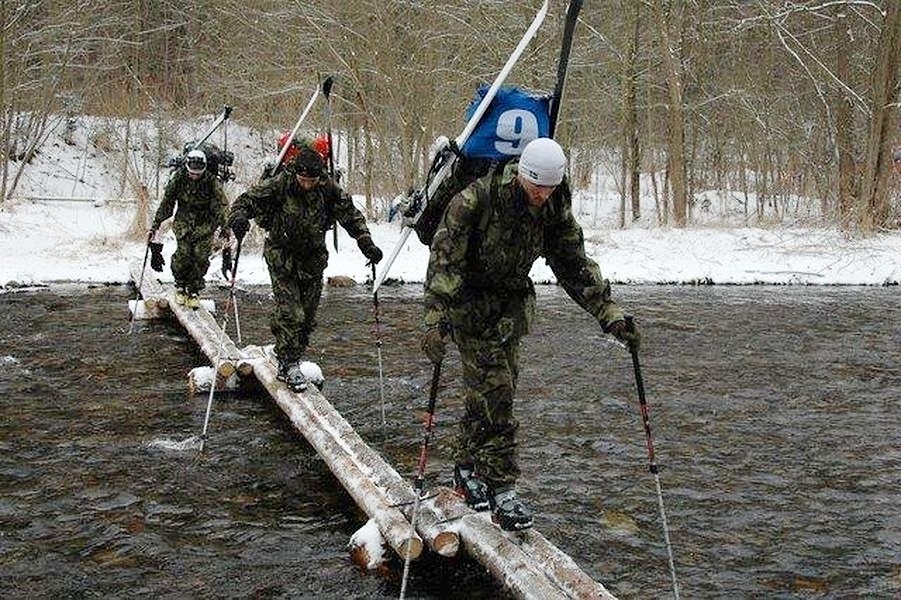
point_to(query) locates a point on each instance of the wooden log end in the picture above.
(200, 379)
(446, 543)
(245, 368)
(142, 311)
(359, 555)
(226, 369)
(413, 546)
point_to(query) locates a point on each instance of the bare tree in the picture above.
(874, 193)
(631, 155)
(774, 100)
(670, 21)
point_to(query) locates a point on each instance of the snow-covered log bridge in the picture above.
(526, 562)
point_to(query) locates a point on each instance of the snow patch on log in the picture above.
(367, 546)
(201, 378)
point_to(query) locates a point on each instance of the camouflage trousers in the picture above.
(294, 318)
(487, 430)
(191, 260)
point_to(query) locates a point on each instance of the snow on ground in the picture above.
(44, 241)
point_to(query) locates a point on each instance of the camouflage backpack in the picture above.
(218, 161)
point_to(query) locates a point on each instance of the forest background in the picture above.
(789, 107)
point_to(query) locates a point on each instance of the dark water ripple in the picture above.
(774, 411)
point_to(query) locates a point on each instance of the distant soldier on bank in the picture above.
(200, 205)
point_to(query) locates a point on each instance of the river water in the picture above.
(774, 414)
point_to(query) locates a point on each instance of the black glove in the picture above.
(226, 261)
(626, 332)
(434, 344)
(369, 249)
(156, 257)
(240, 225)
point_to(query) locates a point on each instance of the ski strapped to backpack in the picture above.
(332, 173)
(273, 168)
(572, 16)
(218, 161)
(448, 153)
(515, 118)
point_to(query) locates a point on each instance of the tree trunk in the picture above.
(676, 120)
(847, 185)
(874, 197)
(632, 155)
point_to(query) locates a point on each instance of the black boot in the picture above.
(473, 489)
(294, 377)
(283, 364)
(289, 372)
(509, 512)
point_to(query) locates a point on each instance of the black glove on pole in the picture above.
(240, 225)
(156, 257)
(372, 252)
(226, 261)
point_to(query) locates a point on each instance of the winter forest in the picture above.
(791, 106)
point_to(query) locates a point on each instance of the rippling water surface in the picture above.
(774, 413)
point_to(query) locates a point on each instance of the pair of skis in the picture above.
(447, 155)
(222, 118)
(326, 90)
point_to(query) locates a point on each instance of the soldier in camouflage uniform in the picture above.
(297, 206)
(201, 209)
(478, 292)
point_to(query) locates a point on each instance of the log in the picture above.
(398, 492)
(214, 342)
(310, 414)
(367, 546)
(526, 561)
(143, 310)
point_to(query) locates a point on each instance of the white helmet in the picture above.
(195, 162)
(542, 162)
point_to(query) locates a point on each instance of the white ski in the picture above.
(303, 115)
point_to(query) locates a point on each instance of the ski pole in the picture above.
(642, 401)
(231, 293)
(418, 484)
(327, 92)
(572, 16)
(378, 345)
(223, 116)
(134, 312)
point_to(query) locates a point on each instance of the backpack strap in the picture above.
(475, 240)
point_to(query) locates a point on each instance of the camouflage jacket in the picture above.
(201, 205)
(296, 221)
(478, 275)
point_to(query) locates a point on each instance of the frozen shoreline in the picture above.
(45, 242)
